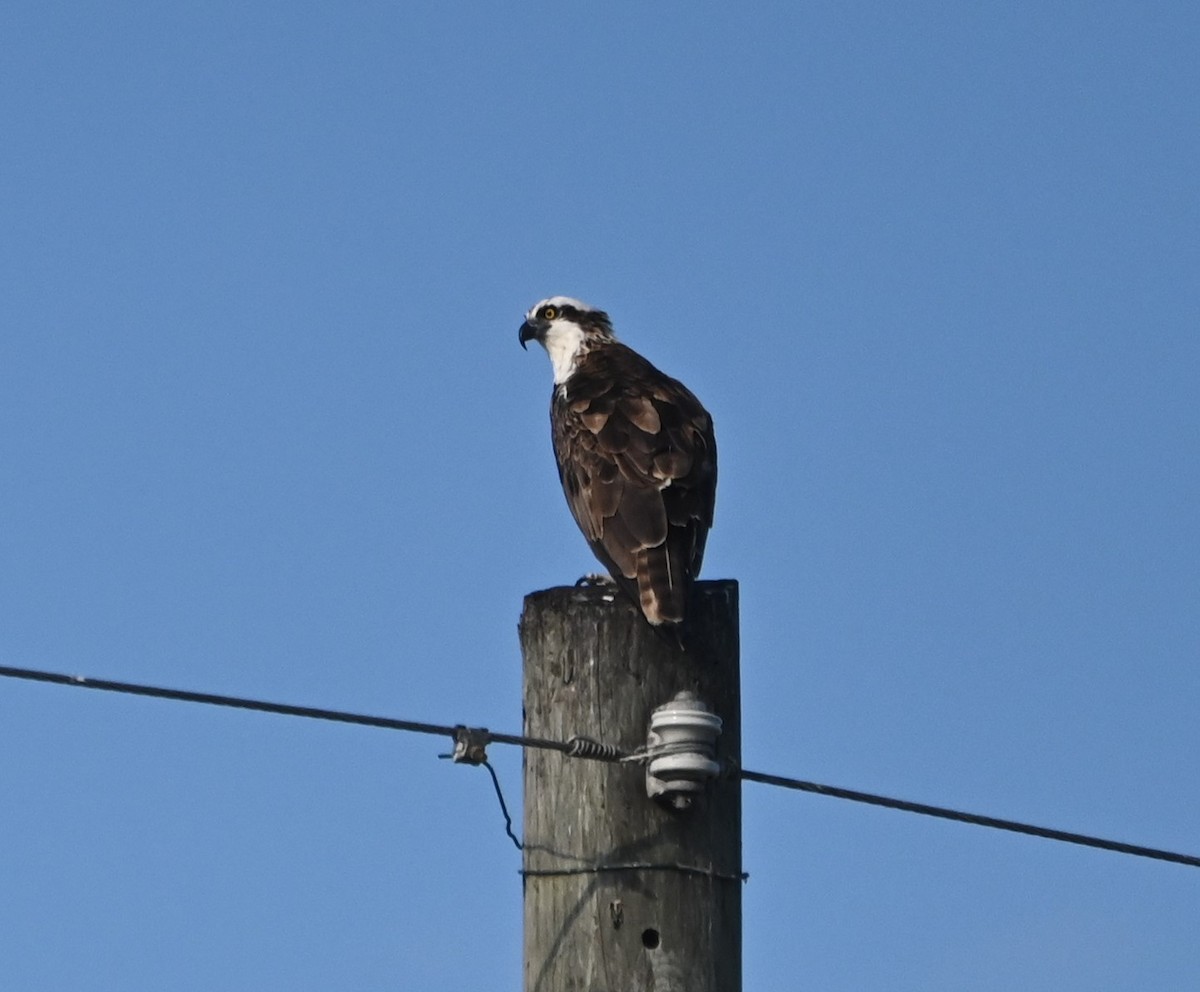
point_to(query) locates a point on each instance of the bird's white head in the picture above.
(565, 327)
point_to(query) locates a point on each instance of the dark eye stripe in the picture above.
(554, 312)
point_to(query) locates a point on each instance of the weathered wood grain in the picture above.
(593, 667)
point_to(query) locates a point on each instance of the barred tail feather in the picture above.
(662, 590)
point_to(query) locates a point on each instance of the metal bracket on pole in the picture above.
(470, 745)
(681, 750)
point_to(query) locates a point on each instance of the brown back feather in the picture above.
(638, 462)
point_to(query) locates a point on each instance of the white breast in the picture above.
(563, 341)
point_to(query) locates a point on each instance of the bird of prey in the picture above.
(636, 456)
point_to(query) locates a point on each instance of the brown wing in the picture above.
(638, 462)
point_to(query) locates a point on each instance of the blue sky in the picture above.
(266, 430)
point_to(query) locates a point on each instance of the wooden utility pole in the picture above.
(623, 892)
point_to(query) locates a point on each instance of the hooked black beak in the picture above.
(527, 333)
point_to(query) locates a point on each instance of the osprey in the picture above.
(636, 456)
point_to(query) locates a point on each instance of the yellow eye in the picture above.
(549, 313)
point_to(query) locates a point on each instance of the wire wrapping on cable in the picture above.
(585, 747)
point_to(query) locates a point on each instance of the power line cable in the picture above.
(470, 744)
(978, 820)
(285, 709)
